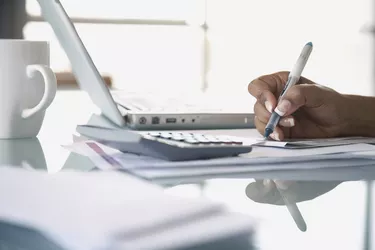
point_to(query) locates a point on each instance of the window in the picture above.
(142, 44)
(219, 44)
(249, 38)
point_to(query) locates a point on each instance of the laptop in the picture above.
(134, 112)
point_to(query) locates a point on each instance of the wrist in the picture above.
(358, 116)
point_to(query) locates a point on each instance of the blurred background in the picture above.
(208, 45)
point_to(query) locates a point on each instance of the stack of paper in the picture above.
(109, 210)
(266, 156)
(261, 159)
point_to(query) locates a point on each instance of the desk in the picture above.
(336, 219)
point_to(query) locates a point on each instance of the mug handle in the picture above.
(50, 87)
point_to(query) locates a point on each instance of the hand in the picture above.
(309, 110)
(265, 191)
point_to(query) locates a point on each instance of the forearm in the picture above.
(359, 113)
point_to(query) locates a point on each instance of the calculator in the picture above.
(171, 146)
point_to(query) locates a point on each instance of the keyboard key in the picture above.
(231, 140)
(191, 141)
(238, 142)
(203, 140)
(177, 137)
(165, 135)
(226, 141)
(212, 138)
(199, 138)
(215, 141)
(188, 135)
(156, 134)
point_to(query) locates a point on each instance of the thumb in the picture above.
(308, 95)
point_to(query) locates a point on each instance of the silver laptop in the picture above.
(136, 112)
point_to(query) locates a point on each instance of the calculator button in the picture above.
(176, 133)
(226, 141)
(197, 135)
(177, 138)
(191, 141)
(156, 134)
(200, 138)
(203, 140)
(213, 139)
(187, 135)
(237, 142)
(165, 135)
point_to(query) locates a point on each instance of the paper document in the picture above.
(93, 210)
(107, 158)
(306, 143)
(245, 171)
(309, 151)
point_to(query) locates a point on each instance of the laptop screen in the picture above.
(83, 67)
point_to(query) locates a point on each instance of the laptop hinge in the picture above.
(123, 111)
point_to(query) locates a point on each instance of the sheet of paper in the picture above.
(89, 210)
(241, 171)
(324, 142)
(108, 158)
(288, 152)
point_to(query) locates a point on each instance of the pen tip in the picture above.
(309, 44)
(267, 133)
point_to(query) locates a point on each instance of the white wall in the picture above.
(138, 57)
(248, 38)
(252, 37)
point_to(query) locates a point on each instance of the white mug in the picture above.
(27, 87)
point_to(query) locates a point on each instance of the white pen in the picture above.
(293, 78)
(293, 210)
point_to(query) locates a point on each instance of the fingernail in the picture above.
(283, 107)
(268, 185)
(266, 182)
(287, 122)
(268, 106)
(275, 136)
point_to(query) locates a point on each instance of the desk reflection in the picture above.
(265, 191)
(289, 193)
(26, 153)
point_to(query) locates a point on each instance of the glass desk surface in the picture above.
(336, 206)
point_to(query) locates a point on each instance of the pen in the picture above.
(293, 210)
(293, 78)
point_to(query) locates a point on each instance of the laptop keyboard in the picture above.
(152, 104)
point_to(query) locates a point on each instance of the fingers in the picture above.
(259, 125)
(282, 184)
(263, 191)
(308, 95)
(268, 191)
(263, 114)
(278, 134)
(264, 90)
(287, 122)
